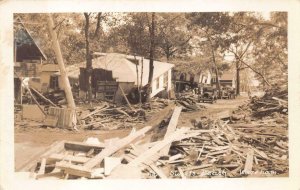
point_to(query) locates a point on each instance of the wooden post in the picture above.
(35, 101)
(64, 77)
(21, 91)
(126, 98)
(43, 97)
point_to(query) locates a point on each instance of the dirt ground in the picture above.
(31, 141)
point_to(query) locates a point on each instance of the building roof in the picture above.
(26, 47)
(123, 67)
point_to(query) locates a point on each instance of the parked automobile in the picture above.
(209, 94)
(228, 93)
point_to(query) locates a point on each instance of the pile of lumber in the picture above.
(275, 100)
(109, 116)
(273, 106)
(213, 149)
(189, 102)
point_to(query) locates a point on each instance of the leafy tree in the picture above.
(172, 35)
(212, 27)
(257, 44)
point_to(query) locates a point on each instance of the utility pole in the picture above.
(62, 69)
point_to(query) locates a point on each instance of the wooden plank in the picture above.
(60, 157)
(81, 146)
(175, 157)
(42, 167)
(215, 139)
(158, 171)
(74, 169)
(197, 167)
(110, 163)
(43, 97)
(177, 135)
(117, 146)
(124, 95)
(171, 128)
(51, 121)
(95, 111)
(181, 173)
(261, 154)
(56, 174)
(280, 100)
(249, 161)
(227, 166)
(217, 152)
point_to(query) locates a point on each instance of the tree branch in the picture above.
(96, 33)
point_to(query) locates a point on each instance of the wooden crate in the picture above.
(65, 116)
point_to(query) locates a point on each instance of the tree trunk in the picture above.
(63, 74)
(215, 66)
(141, 84)
(151, 57)
(96, 34)
(237, 78)
(88, 56)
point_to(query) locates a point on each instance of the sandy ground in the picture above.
(31, 141)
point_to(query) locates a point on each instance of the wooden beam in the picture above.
(60, 157)
(110, 163)
(34, 99)
(57, 174)
(176, 136)
(117, 146)
(158, 171)
(42, 167)
(43, 97)
(74, 169)
(249, 162)
(95, 111)
(197, 167)
(124, 95)
(181, 173)
(81, 146)
(171, 128)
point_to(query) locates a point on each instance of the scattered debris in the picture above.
(216, 148)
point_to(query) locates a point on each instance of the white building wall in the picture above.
(208, 77)
(197, 78)
(161, 83)
(169, 79)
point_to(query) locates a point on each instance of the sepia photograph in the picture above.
(151, 95)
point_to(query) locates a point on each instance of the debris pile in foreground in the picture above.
(214, 148)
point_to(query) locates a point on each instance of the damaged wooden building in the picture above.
(28, 58)
(113, 72)
(185, 79)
